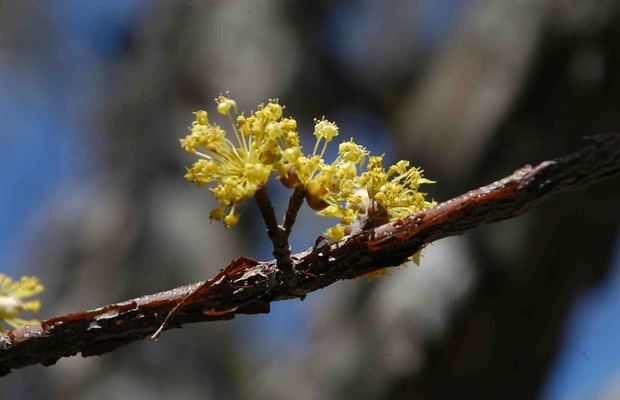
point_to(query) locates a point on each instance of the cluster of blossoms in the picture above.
(355, 187)
(12, 295)
(238, 169)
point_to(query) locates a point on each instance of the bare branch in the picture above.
(247, 286)
(294, 204)
(278, 237)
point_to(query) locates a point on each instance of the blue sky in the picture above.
(591, 349)
(42, 91)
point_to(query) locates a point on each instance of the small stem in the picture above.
(294, 203)
(316, 146)
(278, 236)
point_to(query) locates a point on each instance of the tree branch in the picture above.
(294, 204)
(247, 286)
(278, 237)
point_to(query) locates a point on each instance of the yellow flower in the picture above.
(202, 117)
(241, 166)
(224, 104)
(396, 190)
(351, 151)
(12, 295)
(231, 220)
(324, 129)
(335, 233)
(265, 142)
(374, 197)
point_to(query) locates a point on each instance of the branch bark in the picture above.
(294, 204)
(278, 236)
(247, 286)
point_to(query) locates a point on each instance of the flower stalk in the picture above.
(278, 236)
(294, 204)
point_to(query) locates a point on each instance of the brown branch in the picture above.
(294, 203)
(247, 286)
(278, 237)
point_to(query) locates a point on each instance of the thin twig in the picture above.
(294, 203)
(247, 286)
(278, 237)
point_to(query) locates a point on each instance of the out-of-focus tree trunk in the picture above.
(532, 270)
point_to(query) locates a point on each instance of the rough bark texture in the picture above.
(247, 286)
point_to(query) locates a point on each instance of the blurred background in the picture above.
(94, 96)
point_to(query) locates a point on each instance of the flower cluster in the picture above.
(241, 167)
(12, 295)
(354, 187)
